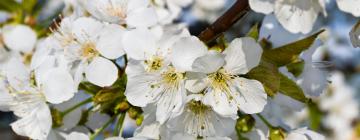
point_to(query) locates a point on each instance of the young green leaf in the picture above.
(268, 74)
(289, 53)
(9, 5)
(289, 88)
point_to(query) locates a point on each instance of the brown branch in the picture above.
(223, 23)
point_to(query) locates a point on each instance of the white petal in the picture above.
(350, 6)
(297, 16)
(195, 82)
(224, 126)
(35, 126)
(242, 55)
(59, 86)
(134, 4)
(101, 72)
(41, 54)
(221, 104)
(77, 136)
(109, 44)
(170, 103)
(114, 138)
(19, 38)
(17, 74)
(141, 90)
(139, 44)
(144, 17)
(262, 6)
(134, 67)
(185, 51)
(86, 29)
(252, 98)
(6, 100)
(208, 63)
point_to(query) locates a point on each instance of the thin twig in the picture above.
(223, 23)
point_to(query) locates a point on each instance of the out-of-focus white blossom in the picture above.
(133, 13)
(19, 38)
(296, 16)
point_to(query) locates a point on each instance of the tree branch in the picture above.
(223, 23)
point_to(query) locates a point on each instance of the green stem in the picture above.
(76, 106)
(119, 125)
(265, 121)
(98, 131)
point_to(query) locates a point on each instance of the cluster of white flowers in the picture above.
(186, 91)
(299, 16)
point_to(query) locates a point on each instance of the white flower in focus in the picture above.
(19, 38)
(28, 101)
(296, 16)
(217, 75)
(349, 6)
(86, 45)
(156, 70)
(133, 13)
(199, 120)
(304, 134)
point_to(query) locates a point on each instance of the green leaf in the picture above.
(28, 5)
(9, 5)
(254, 32)
(289, 53)
(289, 88)
(315, 115)
(268, 74)
(296, 68)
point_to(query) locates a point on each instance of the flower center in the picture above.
(197, 107)
(154, 64)
(171, 78)
(219, 80)
(88, 50)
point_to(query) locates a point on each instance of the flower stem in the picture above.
(265, 121)
(98, 131)
(76, 106)
(119, 125)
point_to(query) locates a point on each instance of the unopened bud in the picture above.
(277, 134)
(245, 123)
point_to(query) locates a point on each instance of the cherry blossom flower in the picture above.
(28, 101)
(297, 16)
(217, 76)
(133, 13)
(157, 67)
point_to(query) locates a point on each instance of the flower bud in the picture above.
(245, 123)
(277, 134)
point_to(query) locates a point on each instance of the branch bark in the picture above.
(223, 23)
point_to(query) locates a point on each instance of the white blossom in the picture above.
(157, 67)
(199, 120)
(19, 37)
(296, 16)
(133, 13)
(217, 75)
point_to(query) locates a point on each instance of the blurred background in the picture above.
(335, 55)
